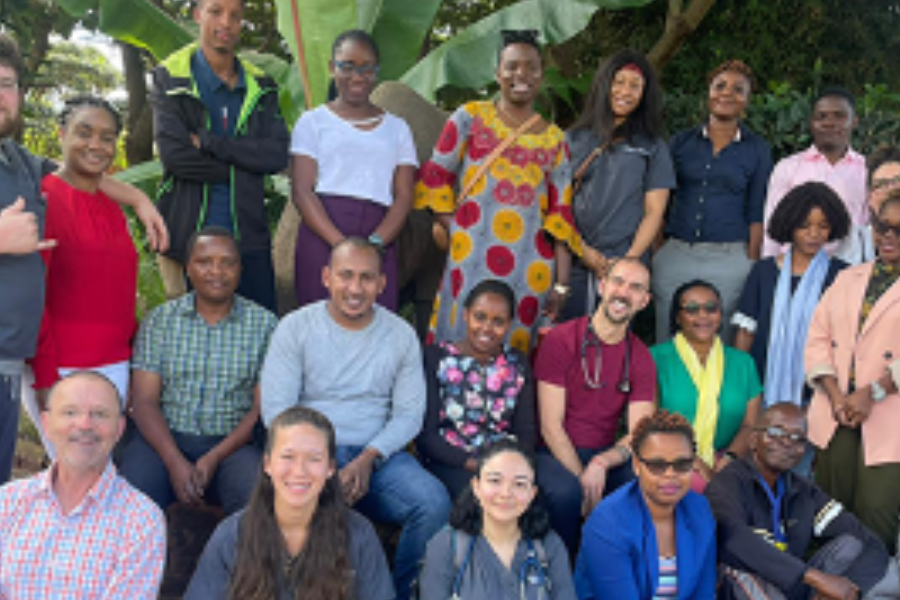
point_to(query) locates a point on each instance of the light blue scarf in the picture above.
(790, 325)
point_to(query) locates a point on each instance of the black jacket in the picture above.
(259, 147)
(743, 512)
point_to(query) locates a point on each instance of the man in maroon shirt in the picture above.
(589, 371)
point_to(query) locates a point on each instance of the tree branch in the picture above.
(680, 24)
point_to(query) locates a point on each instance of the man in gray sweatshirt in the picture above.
(361, 366)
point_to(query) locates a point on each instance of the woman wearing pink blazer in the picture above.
(853, 362)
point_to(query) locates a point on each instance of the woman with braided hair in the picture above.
(653, 538)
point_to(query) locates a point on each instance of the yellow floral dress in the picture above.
(506, 226)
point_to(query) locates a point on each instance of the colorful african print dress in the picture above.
(506, 226)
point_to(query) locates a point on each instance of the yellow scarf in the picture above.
(708, 381)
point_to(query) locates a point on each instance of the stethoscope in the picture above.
(532, 573)
(592, 379)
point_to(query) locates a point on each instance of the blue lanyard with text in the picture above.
(776, 500)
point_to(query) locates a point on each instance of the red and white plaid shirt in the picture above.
(111, 547)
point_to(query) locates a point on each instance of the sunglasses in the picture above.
(782, 435)
(693, 308)
(883, 227)
(658, 466)
(346, 67)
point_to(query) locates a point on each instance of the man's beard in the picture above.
(9, 125)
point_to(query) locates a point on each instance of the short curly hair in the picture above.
(796, 205)
(736, 65)
(662, 421)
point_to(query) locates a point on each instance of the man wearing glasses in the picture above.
(219, 132)
(768, 518)
(832, 161)
(884, 178)
(591, 372)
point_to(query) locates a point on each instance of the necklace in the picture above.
(365, 122)
(516, 123)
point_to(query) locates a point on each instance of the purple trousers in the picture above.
(352, 217)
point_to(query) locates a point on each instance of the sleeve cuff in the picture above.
(742, 321)
(819, 371)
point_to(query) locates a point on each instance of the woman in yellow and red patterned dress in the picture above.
(515, 224)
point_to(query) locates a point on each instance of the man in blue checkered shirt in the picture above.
(195, 385)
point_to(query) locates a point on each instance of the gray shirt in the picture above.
(609, 205)
(369, 382)
(371, 577)
(486, 577)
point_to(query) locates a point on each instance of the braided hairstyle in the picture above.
(76, 102)
(662, 421)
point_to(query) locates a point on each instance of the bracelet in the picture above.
(561, 289)
(624, 452)
(732, 455)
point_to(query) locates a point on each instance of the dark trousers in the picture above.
(563, 493)
(10, 394)
(455, 479)
(871, 493)
(258, 279)
(230, 486)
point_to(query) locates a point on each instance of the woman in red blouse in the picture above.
(89, 315)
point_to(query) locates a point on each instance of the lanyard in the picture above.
(776, 500)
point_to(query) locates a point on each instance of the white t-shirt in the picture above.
(351, 161)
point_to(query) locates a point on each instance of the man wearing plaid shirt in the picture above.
(195, 391)
(78, 530)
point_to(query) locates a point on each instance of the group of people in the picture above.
(508, 450)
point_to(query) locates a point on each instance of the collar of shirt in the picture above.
(738, 134)
(812, 154)
(99, 493)
(188, 306)
(207, 78)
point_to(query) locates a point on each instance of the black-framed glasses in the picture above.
(692, 308)
(883, 227)
(347, 67)
(658, 466)
(782, 435)
(885, 182)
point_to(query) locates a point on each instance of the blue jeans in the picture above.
(403, 493)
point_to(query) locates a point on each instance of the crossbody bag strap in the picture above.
(583, 167)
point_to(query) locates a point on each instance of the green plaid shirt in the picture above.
(208, 372)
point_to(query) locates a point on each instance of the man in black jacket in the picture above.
(219, 132)
(768, 517)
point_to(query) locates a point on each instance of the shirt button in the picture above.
(697, 233)
(701, 199)
(707, 166)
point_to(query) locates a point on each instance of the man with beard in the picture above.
(21, 229)
(831, 161)
(768, 518)
(590, 372)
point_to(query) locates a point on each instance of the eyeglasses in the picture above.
(9, 85)
(883, 227)
(880, 184)
(658, 466)
(346, 67)
(692, 308)
(779, 434)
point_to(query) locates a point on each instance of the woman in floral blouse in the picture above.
(479, 389)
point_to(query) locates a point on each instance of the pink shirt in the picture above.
(847, 177)
(111, 547)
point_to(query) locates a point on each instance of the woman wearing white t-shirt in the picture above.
(353, 171)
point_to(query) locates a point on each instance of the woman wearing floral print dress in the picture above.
(478, 390)
(515, 224)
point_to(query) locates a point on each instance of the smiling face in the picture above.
(626, 93)
(885, 179)
(624, 291)
(89, 142)
(666, 488)
(812, 234)
(884, 229)
(354, 68)
(729, 93)
(775, 455)
(214, 268)
(10, 101)
(299, 465)
(699, 314)
(487, 322)
(354, 280)
(504, 487)
(520, 74)
(220, 24)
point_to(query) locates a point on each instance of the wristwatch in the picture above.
(878, 392)
(377, 241)
(561, 289)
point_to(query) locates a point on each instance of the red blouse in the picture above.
(89, 314)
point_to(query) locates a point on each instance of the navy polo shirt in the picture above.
(718, 195)
(223, 106)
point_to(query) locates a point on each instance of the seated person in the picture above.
(360, 365)
(589, 370)
(499, 545)
(479, 390)
(714, 386)
(78, 530)
(769, 517)
(654, 538)
(296, 506)
(195, 388)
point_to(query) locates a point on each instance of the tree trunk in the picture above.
(139, 140)
(680, 24)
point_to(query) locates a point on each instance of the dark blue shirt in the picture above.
(718, 195)
(224, 106)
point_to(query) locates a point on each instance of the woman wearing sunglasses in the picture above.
(653, 538)
(712, 385)
(852, 361)
(781, 293)
(352, 171)
(499, 545)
